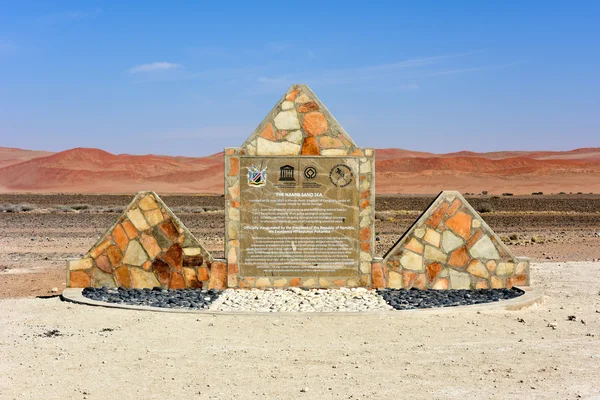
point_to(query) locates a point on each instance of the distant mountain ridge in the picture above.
(85, 170)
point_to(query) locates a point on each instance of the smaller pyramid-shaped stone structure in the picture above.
(299, 124)
(451, 247)
(147, 247)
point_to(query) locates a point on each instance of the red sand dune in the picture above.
(398, 171)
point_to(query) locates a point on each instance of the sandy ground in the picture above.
(119, 354)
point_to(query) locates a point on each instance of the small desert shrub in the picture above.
(579, 192)
(484, 192)
(537, 193)
(485, 207)
(379, 216)
(507, 194)
(80, 207)
(11, 208)
(562, 193)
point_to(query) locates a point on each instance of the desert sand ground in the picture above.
(57, 350)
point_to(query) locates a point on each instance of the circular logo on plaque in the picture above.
(341, 175)
(310, 172)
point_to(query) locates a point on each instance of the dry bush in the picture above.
(80, 207)
(111, 209)
(485, 207)
(11, 208)
(189, 209)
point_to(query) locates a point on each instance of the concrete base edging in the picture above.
(532, 297)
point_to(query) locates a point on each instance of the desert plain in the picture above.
(53, 349)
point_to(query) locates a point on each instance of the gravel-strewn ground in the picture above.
(299, 300)
(57, 350)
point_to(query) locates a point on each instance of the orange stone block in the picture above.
(147, 266)
(229, 152)
(174, 257)
(481, 285)
(267, 132)
(177, 281)
(365, 194)
(365, 204)
(123, 278)
(310, 147)
(292, 95)
(358, 152)
(120, 237)
(235, 204)
(441, 284)
(475, 238)
(408, 278)
(295, 282)
(414, 245)
(517, 280)
(150, 245)
(433, 270)
(491, 266)
(365, 246)
(365, 234)
(339, 282)
(436, 217)
(454, 206)
(203, 274)
(308, 107)
(79, 279)
(130, 230)
(344, 140)
(234, 166)
(162, 271)
(377, 276)
(103, 263)
(232, 268)
(170, 230)
(243, 284)
(114, 255)
(327, 142)
(315, 124)
(459, 257)
(96, 251)
(218, 276)
(421, 282)
(460, 224)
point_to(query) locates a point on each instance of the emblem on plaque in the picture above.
(257, 176)
(341, 175)
(286, 173)
(310, 172)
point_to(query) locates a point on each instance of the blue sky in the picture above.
(189, 78)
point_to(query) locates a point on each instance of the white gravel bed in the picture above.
(302, 300)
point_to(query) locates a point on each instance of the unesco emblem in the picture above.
(286, 174)
(341, 175)
(310, 172)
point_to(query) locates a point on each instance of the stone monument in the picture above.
(299, 212)
(299, 201)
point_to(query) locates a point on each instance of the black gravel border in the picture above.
(196, 299)
(403, 299)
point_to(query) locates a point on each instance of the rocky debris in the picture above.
(402, 299)
(301, 300)
(156, 297)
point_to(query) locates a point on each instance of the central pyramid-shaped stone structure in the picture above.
(299, 124)
(299, 151)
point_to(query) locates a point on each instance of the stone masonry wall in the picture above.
(148, 246)
(299, 125)
(450, 247)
